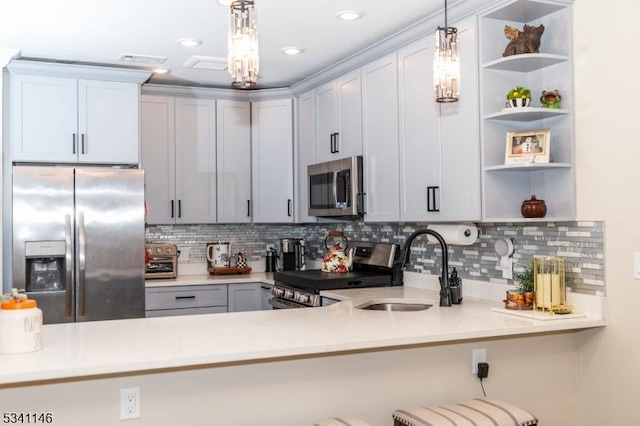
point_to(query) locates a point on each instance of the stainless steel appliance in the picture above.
(335, 188)
(78, 241)
(292, 254)
(373, 266)
(162, 261)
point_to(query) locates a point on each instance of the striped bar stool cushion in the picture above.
(475, 412)
(342, 421)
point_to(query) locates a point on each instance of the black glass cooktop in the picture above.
(316, 280)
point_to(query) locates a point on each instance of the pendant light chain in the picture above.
(446, 63)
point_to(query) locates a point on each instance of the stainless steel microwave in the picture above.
(335, 188)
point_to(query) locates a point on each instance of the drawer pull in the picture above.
(185, 297)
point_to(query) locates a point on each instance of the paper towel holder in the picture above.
(504, 249)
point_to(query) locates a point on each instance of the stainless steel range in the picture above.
(373, 266)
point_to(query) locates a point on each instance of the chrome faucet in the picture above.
(445, 290)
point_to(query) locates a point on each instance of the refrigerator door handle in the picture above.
(68, 266)
(82, 260)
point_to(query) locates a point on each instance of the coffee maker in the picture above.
(292, 254)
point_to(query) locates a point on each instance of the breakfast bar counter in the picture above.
(155, 344)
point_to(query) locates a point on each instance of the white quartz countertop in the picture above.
(204, 279)
(121, 346)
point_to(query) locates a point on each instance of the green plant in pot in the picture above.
(518, 97)
(522, 297)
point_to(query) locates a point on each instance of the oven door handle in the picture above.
(284, 304)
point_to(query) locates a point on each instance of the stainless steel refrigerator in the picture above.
(78, 241)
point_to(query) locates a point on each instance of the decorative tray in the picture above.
(229, 270)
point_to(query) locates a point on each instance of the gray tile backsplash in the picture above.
(580, 243)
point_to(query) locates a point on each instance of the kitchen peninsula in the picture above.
(97, 348)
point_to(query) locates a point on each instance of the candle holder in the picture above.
(549, 285)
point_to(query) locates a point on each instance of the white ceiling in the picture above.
(100, 31)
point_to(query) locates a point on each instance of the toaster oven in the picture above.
(162, 261)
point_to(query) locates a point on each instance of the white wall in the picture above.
(537, 373)
(607, 76)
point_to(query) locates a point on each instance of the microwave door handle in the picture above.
(68, 259)
(335, 189)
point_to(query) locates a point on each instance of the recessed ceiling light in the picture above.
(225, 2)
(292, 50)
(188, 42)
(161, 70)
(349, 15)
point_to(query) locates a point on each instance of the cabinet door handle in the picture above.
(179, 208)
(363, 209)
(289, 207)
(185, 297)
(73, 143)
(172, 209)
(331, 142)
(336, 143)
(82, 139)
(432, 205)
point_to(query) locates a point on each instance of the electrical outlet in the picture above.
(129, 403)
(477, 355)
(271, 246)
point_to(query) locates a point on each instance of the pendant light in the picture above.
(243, 44)
(446, 63)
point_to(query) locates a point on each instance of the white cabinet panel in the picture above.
(58, 119)
(305, 154)
(233, 147)
(439, 142)
(339, 118)
(195, 160)
(44, 118)
(245, 297)
(272, 161)
(179, 159)
(380, 106)
(158, 157)
(108, 121)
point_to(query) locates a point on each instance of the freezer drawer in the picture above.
(180, 297)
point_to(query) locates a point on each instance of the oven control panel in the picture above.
(298, 296)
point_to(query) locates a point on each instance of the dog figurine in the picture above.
(525, 41)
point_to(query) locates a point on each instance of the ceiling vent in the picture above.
(206, 63)
(142, 59)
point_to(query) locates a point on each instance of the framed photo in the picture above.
(528, 146)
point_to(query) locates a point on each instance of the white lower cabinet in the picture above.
(207, 299)
(186, 300)
(244, 297)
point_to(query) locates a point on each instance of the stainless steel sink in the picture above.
(393, 305)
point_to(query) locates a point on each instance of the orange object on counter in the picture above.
(18, 304)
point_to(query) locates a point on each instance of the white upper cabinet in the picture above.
(506, 186)
(158, 157)
(380, 118)
(439, 142)
(179, 159)
(339, 118)
(59, 118)
(233, 147)
(305, 148)
(195, 160)
(272, 161)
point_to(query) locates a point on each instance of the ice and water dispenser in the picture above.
(45, 262)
